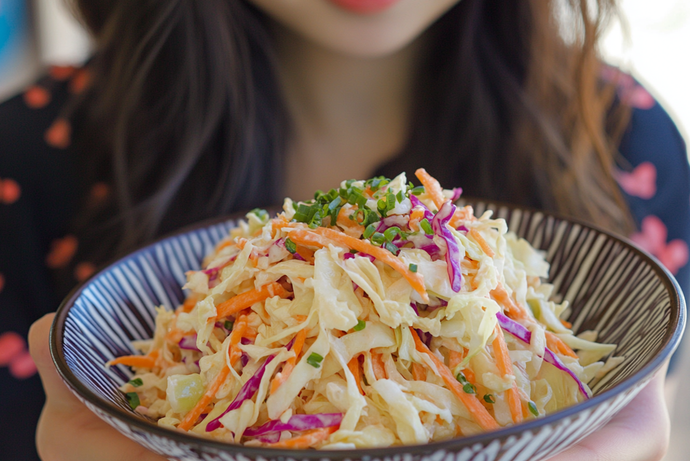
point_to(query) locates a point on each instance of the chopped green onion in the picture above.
(391, 232)
(378, 238)
(419, 190)
(229, 325)
(390, 202)
(136, 382)
(533, 408)
(315, 360)
(413, 268)
(469, 388)
(488, 398)
(400, 196)
(361, 325)
(369, 231)
(132, 399)
(426, 226)
(290, 245)
(392, 248)
(370, 218)
(461, 378)
(261, 214)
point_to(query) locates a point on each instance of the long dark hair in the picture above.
(186, 113)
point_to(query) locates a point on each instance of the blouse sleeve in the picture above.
(657, 182)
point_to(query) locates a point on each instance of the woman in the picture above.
(200, 108)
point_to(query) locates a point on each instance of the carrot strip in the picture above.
(189, 303)
(344, 221)
(224, 244)
(431, 187)
(454, 358)
(461, 215)
(471, 402)
(482, 243)
(416, 216)
(234, 353)
(505, 366)
(553, 342)
(247, 299)
(278, 223)
(566, 324)
(307, 440)
(322, 236)
(353, 366)
(141, 361)
(291, 362)
(418, 372)
(305, 253)
(377, 364)
(512, 309)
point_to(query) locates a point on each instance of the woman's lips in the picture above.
(364, 6)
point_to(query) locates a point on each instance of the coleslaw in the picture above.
(377, 314)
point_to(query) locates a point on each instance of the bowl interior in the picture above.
(611, 287)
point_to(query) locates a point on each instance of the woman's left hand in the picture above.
(639, 432)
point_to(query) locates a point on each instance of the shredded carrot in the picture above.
(454, 358)
(235, 353)
(278, 223)
(416, 216)
(321, 237)
(555, 343)
(377, 364)
(471, 402)
(512, 309)
(241, 242)
(189, 303)
(291, 362)
(351, 227)
(308, 439)
(462, 215)
(482, 243)
(224, 244)
(505, 366)
(305, 253)
(141, 361)
(353, 366)
(566, 324)
(431, 187)
(418, 372)
(247, 299)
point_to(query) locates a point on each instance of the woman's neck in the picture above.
(349, 114)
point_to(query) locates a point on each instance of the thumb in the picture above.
(55, 389)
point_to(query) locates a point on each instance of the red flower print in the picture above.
(36, 97)
(80, 81)
(9, 191)
(652, 238)
(15, 356)
(62, 251)
(61, 72)
(641, 182)
(83, 271)
(629, 91)
(59, 134)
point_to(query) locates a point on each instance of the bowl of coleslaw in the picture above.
(377, 321)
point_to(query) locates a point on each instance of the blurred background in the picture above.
(652, 43)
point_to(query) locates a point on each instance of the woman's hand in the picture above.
(639, 432)
(67, 429)
(70, 431)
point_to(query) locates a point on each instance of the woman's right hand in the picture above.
(67, 429)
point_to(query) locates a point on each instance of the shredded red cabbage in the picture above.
(247, 392)
(457, 192)
(296, 423)
(393, 221)
(438, 224)
(418, 203)
(297, 256)
(349, 255)
(414, 307)
(524, 335)
(273, 437)
(188, 343)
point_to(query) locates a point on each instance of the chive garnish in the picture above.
(136, 382)
(488, 398)
(361, 325)
(413, 268)
(290, 245)
(533, 408)
(132, 399)
(426, 226)
(315, 360)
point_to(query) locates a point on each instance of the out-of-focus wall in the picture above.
(34, 34)
(657, 52)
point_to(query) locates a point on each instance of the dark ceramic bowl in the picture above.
(612, 287)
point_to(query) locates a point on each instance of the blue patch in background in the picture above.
(13, 30)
